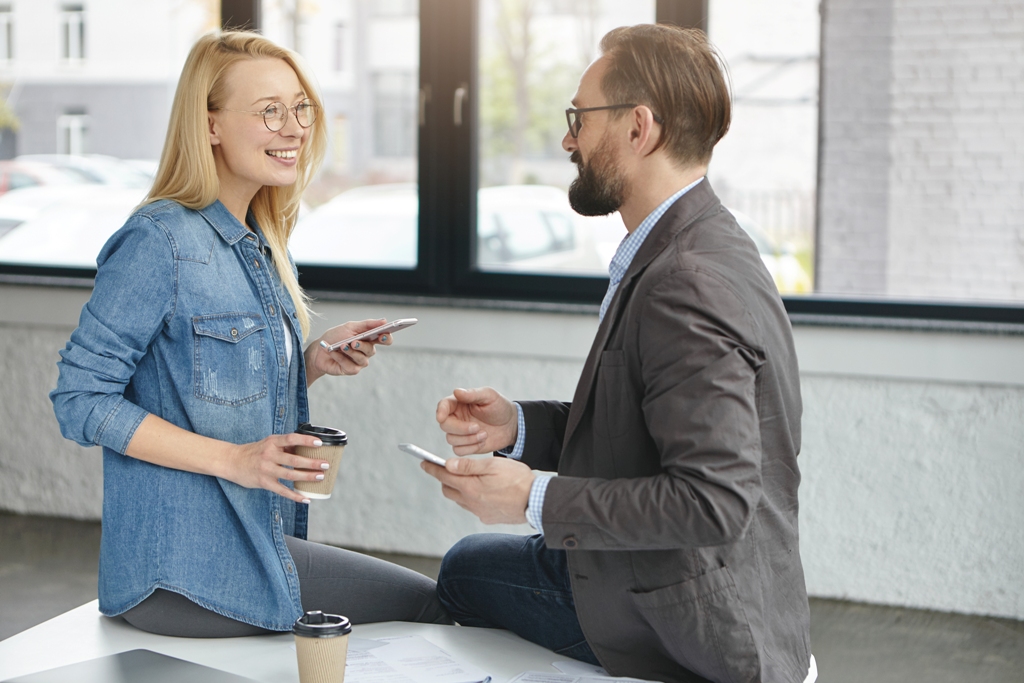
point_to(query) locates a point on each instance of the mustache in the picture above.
(576, 158)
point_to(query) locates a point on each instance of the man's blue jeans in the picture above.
(515, 583)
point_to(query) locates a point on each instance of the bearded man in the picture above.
(667, 546)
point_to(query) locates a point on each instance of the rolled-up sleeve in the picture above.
(132, 300)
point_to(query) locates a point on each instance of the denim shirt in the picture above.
(184, 322)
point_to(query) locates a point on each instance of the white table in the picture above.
(83, 634)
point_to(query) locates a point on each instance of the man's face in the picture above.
(600, 187)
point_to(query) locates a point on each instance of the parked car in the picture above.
(372, 226)
(62, 226)
(520, 228)
(96, 168)
(15, 175)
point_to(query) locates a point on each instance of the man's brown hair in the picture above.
(679, 75)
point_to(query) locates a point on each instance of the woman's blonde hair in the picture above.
(187, 173)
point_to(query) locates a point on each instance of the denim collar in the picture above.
(226, 225)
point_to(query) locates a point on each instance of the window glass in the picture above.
(106, 126)
(531, 57)
(765, 168)
(363, 208)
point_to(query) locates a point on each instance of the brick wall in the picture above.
(956, 217)
(922, 175)
(853, 199)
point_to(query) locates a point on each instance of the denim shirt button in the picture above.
(289, 567)
(272, 309)
(277, 517)
(280, 411)
(257, 262)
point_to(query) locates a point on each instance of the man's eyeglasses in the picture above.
(572, 116)
(275, 116)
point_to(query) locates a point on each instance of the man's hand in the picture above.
(477, 421)
(497, 490)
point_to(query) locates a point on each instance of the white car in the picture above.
(96, 168)
(521, 228)
(374, 225)
(64, 226)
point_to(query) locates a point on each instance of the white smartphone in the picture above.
(393, 326)
(413, 449)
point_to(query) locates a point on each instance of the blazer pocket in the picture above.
(230, 358)
(703, 626)
(612, 405)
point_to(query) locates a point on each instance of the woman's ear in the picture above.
(211, 123)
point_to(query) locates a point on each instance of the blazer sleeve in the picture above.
(545, 431)
(698, 370)
(132, 299)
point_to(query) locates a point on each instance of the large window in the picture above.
(530, 59)
(875, 170)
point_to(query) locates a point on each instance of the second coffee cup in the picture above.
(334, 441)
(321, 644)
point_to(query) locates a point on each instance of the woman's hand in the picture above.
(348, 360)
(263, 463)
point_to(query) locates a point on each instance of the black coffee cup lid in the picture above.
(329, 435)
(316, 624)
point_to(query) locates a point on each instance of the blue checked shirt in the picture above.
(628, 248)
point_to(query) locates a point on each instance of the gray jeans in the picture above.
(332, 580)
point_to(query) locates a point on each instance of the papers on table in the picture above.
(542, 677)
(578, 668)
(406, 659)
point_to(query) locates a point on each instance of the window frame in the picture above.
(447, 171)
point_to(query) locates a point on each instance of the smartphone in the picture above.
(393, 326)
(412, 449)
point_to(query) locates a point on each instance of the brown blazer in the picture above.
(677, 490)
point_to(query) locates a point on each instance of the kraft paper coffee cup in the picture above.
(321, 645)
(334, 441)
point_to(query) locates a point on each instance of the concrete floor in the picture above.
(48, 566)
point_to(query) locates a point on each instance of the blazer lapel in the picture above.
(679, 216)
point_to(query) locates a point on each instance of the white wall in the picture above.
(912, 459)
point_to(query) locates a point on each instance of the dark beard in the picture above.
(599, 189)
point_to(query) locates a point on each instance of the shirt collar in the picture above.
(631, 243)
(224, 222)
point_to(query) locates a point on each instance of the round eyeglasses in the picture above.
(275, 116)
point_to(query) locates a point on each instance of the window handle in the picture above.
(461, 93)
(424, 98)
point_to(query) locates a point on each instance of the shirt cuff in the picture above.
(535, 508)
(516, 451)
(118, 419)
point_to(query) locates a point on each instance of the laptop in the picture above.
(133, 666)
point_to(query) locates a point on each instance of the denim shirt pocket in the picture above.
(230, 358)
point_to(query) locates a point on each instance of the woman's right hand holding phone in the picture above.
(344, 361)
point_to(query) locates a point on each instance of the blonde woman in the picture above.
(187, 368)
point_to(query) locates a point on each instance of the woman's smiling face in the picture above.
(247, 153)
